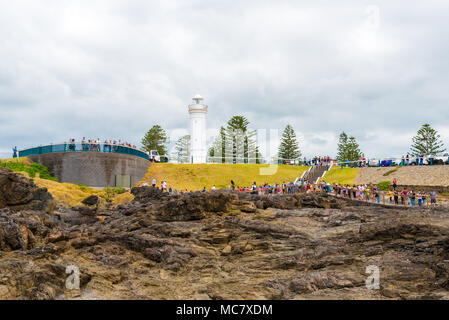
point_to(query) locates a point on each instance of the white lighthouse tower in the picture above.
(198, 112)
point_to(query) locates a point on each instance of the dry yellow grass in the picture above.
(196, 176)
(122, 198)
(67, 194)
(24, 160)
(71, 195)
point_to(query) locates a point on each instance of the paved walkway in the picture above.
(385, 202)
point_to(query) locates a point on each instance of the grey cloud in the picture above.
(111, 69)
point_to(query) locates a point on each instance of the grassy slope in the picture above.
(196, 176)
(341, 176)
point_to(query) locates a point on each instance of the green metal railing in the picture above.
(83, 147)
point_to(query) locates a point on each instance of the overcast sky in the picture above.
(113, 68)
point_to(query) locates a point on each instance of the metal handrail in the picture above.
(79, 142)
(83, 147)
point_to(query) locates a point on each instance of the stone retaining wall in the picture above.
(95, 169)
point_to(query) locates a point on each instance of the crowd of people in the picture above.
(407, 160)
(268, 189)
(167, 188)
(371, 192)
(318, 161)
(95, 145)
(360, 192)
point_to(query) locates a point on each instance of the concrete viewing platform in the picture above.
(94, 165)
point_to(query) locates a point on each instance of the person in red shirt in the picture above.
(395, 184)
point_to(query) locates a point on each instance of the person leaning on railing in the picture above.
(376, 194)
(433, 198)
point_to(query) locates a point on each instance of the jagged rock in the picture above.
(147, 194)
(244, 206)
(20, 193)
(192, 206)
(227, 250)
(86, 211)
(90, 200)
(314, 281)
(225, 245)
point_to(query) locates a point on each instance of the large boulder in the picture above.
(20, 193)
(192, 206)
(147, 194)
(91, 200)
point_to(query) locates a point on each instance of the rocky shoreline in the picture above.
(218, 245)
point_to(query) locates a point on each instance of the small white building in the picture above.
(198, 112)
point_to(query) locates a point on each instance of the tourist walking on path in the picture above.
(153, 182)
(395, 183)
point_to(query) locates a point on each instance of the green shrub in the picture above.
(390, 171)
(384, 185)
(84, 188)
(31, 169)
(115, 190)
(110, 192)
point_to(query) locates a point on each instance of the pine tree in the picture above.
(353, 150)
(236, 139)
(427, 142)
(155, 139)
(238, 123)
(348, 148)
(217, 150)
(182, 148)
(342, 154)
(235, 143)
(289, 148)
(239, 142)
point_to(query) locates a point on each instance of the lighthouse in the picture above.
(198, 112)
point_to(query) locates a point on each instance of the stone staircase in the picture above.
(313, 174)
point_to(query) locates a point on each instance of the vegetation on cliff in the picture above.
(30, 168)
(66, 194)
